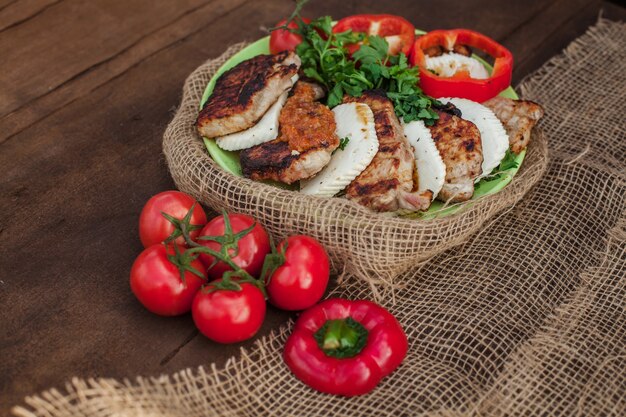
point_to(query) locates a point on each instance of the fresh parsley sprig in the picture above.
(393, 74)
(343, 142)
(326, 59)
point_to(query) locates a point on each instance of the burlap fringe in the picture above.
(527, 317)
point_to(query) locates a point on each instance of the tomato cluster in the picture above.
(221, 270)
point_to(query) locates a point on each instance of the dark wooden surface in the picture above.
(86, 90)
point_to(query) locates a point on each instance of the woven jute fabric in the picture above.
(524, 318)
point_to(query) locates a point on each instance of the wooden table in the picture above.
(86, 90)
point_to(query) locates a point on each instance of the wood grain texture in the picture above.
(61, 42)
(5, 4)
(86, 90)
(15, 13)
(109, 67)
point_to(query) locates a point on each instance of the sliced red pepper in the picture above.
(345, 347)
(461, 85)
(398, 31)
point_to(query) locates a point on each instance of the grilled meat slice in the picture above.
(518, 117)
(460, 147)
(389, 182)
(243, 94)
(438, 50)
(305, 143)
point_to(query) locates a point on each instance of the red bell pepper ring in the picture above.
(461, 85)
(345, 347)
(398, 31)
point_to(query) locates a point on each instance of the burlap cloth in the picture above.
(527, 317)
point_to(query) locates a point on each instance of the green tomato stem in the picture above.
(237, 271)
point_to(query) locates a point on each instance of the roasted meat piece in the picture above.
(244, 93)
(460, 147)
(518, 117)
(438, 50)
(389, 181)
(304, 145)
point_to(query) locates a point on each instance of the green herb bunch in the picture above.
(326, 60)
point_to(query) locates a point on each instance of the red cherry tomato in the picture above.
(283, 40)
(302, 280)
(247, 252)
(229, 316)
(157, 284)
(398, 31)
(154, 228)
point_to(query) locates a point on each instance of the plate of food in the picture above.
(370, 109)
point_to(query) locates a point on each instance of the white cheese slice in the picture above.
(355, 121)
(495, 141)
(448, 64)
(431, 170)
(264, 130)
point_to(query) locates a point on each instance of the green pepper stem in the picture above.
(341, 338)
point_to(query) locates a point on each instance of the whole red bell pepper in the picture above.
(345, 347)
(461, 84)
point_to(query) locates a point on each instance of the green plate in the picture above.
(230, 160)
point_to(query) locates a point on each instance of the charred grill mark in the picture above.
(291, 93)
(443, 122)
(376, 94)
(249, 88)
(389, 148)
(288, 69)
(469, 145)
(448, 109)
(375, 188)
(368, 97)
(234, 96)
(272, 156)
(383, 127)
